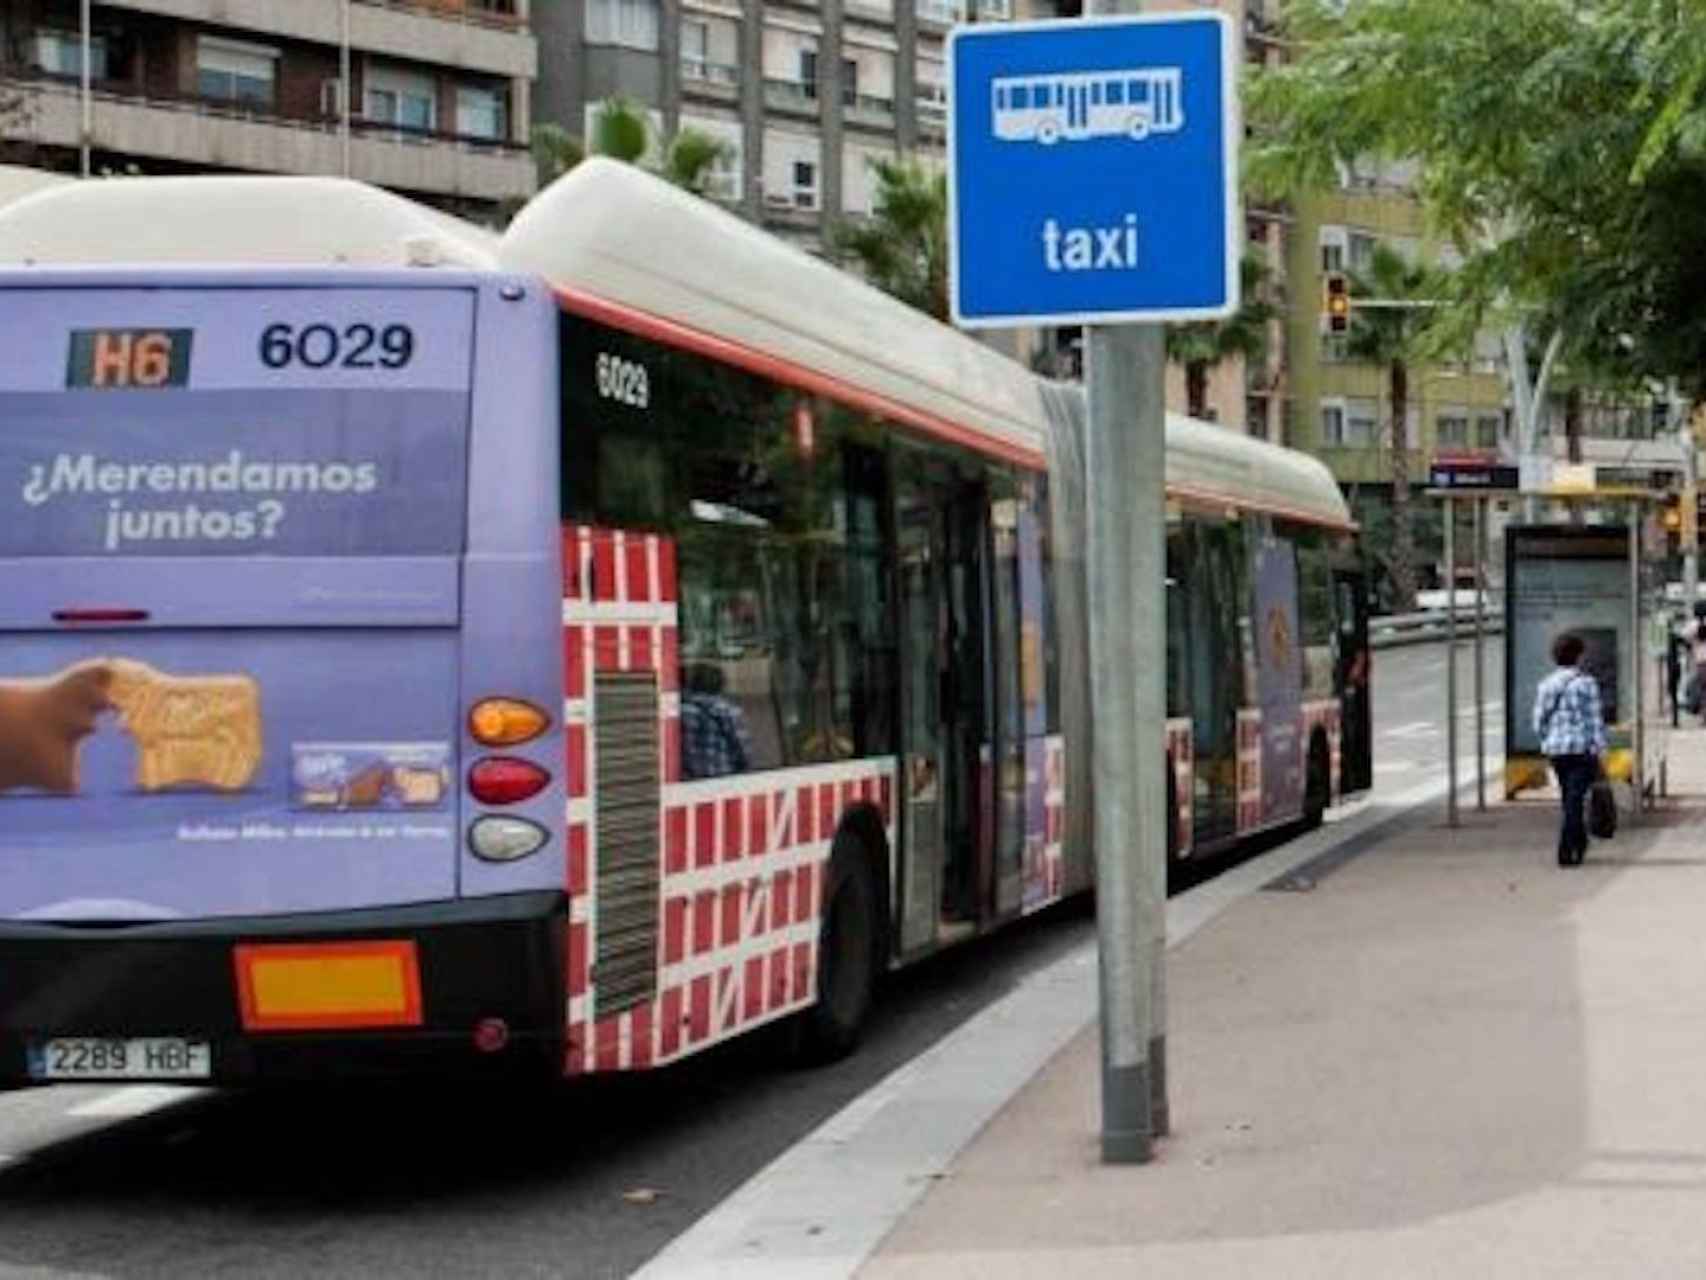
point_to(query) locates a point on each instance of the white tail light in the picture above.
(506, 839)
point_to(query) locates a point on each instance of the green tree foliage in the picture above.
(622, 130)
(902, 248)
(1561, 145)
(1202, 344)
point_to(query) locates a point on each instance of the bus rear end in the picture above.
(280, 676)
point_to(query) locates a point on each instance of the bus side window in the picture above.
(1096, 95)
(1116, 93)
(1016, 96)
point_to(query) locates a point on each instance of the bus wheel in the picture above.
(1138, 127)
(1048, 133)
(1317, 784)
(846, 957)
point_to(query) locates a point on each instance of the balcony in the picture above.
(932, 113)
(867, 109)
(941, 13)
(717, 79)
(229, 135)
(798, 97)
(452, 33)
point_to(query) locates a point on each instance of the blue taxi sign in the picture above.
(1092, 170)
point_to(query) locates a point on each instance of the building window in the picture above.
(1451, 430)
(808, 71)
(1332, 424)
(229, 71)
(1256, 416)
(1362, 422)
(849, 82)
(60, 53)
(805, 184)
(1361, 250)
(633, 24)
(480, 113)
(1487, 429)
(1332, 257)
(402, 99)
(1335, 349)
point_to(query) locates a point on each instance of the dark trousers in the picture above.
(1575, 775)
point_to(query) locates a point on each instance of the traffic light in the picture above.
(1670, 514)
(1336, 303)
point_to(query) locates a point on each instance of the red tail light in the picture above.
(506, 780)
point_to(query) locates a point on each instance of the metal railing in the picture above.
(697, 68)
(1390, 631)
(497, 16)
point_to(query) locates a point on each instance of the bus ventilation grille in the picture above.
(628, 782)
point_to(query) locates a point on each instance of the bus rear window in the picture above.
(234, 423)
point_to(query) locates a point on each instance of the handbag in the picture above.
(1602, 810)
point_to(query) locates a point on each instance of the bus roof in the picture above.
(272, 221)
(18, 181)
(609, 230)
(612, 238)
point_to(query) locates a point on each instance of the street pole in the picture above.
(1125, 499)
(344, 89)
(1480, 709)
(87, 132)
(1637, 658)
(1450, 663)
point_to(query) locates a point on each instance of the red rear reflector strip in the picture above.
(506, 780)
(75, 617)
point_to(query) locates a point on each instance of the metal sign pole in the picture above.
(1637, 657)
(1450, 663)
(1125, 452)
(1480, 558)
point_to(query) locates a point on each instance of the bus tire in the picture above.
(1137, 129)
(1048, 133)
(849, 943)
(1317, 783)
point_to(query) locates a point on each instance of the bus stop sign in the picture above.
(1092, 170)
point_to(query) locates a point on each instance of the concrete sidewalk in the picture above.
(1449, 1057)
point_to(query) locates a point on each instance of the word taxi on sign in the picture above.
(1091, 171)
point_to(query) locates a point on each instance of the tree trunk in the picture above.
(1196, 388)
(1403, 540)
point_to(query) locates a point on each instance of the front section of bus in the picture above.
(280, 675)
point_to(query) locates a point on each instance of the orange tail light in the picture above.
(503, 722)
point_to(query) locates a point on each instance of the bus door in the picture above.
(1351, 678)
(1077, 106)
(941, 529)
(1217, 612)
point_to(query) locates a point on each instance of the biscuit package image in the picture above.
(369, 775)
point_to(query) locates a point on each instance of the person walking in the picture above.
(1571, 728)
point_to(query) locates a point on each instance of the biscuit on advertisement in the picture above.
(190, 731)
(43, 723)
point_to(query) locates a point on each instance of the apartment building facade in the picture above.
(440, 91)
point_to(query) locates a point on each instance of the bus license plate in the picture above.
(92, 1058)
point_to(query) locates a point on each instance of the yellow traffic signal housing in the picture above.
(1336, 303)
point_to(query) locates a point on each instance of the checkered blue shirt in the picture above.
(1567, 715)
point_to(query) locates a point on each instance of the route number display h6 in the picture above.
(1092, 171)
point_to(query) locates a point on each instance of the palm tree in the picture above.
(902, 248)
(1390, 335)
(621, 129)
(1202, 344)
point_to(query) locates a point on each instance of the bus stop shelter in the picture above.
(1585, 573)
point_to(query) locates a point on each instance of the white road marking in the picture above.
(133, 1100)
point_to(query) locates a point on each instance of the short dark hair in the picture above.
(1567, 649)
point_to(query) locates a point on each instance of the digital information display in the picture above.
(129, 359)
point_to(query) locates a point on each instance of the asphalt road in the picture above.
(583, 1180)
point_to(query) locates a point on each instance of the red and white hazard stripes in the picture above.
(741, 859)
(740, 899)
(1249, 769)
(1179, 742)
